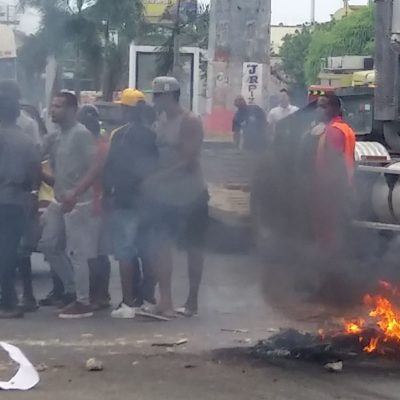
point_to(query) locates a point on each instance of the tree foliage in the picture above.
(303, 52)
(79, 29)
(293, 54)
(192, 32)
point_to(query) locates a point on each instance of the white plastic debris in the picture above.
(279, 353)
(335, 366)
(94, 365)
(26, 377)
(178, 342)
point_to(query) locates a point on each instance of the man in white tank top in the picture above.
(180, 192)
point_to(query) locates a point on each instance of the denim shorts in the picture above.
(186, 226)
(124, 228)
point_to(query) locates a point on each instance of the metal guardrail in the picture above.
(378, 170)
(376, 226)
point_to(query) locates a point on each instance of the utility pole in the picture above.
(312, 12)
(239, 56)
(346, 7)
(177, 43)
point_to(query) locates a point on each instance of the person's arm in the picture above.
(35, 133)
(236, 123)
(271, 120)
(192, 135)
(48, 179)
(271, 117)
(47, 143)
(34, 169)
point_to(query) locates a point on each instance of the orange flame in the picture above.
(354, 327)
(386, 316)
(372, 346)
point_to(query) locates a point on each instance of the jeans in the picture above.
(82, 230)
(53, 245)
(69, 241)
(12, 220)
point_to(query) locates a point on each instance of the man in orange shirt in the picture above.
(100, 267)
(334, 172)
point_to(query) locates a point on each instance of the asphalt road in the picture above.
(231, 298)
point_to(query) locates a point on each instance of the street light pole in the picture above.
(177, 44)
(312, 12)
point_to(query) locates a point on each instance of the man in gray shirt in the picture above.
(24, 121)
(75, 166)
(19, 174)
(29, 127)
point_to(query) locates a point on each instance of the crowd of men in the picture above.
(252, 128)
(324, 154)
(133, 194)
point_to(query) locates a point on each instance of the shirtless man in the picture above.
(180, 191)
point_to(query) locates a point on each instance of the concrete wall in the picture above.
(278, 32)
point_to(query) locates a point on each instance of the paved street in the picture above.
(231, 298)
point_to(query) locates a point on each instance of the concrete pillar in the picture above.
(239, 33)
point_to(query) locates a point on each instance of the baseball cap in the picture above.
(130, 97)
(165, 84)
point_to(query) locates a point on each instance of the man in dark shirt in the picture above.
(238, 119)
(249, 126)
(19, 174)
(132, 158)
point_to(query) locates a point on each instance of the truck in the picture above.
(374, 112)
(8, 53)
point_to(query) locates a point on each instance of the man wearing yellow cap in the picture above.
(133, 157)
(129, 99)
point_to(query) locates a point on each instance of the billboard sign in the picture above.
(252, 83)
(165, 11)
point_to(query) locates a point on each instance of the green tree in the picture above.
(126, 17)
(293, 54)
(65, 26)
(81, 28)
(302, 53)
(352, 35)
(194, 32)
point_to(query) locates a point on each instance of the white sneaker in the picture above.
(124, 312)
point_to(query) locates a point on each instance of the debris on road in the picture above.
(244, 341)
(273, 330)
(279, 353)
(235, 330)
(135, 363)
(334, 366)
(41, 367)
(146, 314)
(26, 377)
(86, 335)
(179, 342)
(94, 365)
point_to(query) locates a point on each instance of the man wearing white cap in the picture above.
(180, 190)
